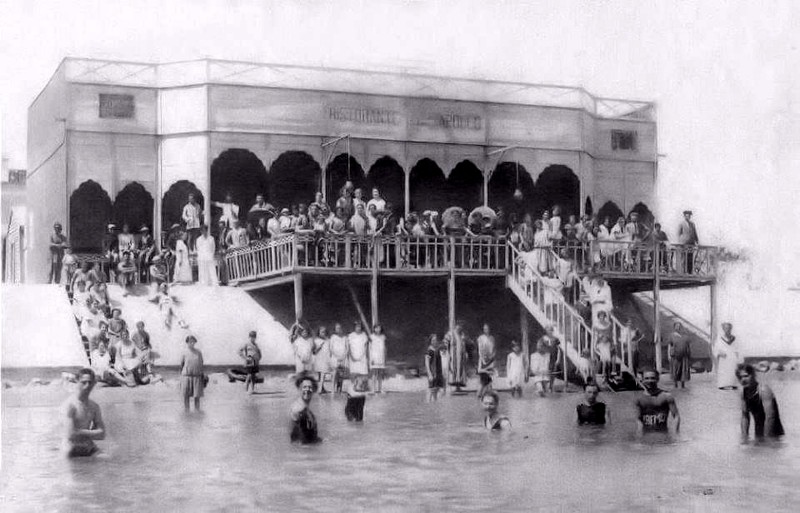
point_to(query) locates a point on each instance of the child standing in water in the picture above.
(515, 369)
(192, 376)
(377, 358)
(434, 366)
(356, 398)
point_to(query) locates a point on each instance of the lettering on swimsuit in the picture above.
(655, 419)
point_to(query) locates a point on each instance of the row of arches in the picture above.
(295, 176)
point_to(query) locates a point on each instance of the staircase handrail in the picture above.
(261, 259)
(565, 319)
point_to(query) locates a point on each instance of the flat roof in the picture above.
(287, 76)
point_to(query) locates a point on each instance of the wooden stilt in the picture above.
(407, 193)
(451, 289)
(298, 296)
(524, 339)
(657, 305)
(373, 293)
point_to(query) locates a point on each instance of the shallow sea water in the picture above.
(408, 455)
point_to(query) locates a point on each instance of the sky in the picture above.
(724, 75)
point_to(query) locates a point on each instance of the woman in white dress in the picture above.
(726, 356)
(303, 349)
(357, 342)
(322, 357)
(183, 269)
(542, 244)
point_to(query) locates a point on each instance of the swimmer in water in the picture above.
(592, 412)
(304, 424)
(83, 421)
(655, 406)
(759, 401)
(493, 420)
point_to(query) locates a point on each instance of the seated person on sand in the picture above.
(99, 293)
(159, 275)
(82, 419)
(126, 272)
(304, 424)
(141, 339)
(101, 365)
(127, 359)
(493, 420)
(592, 411)
(166, 305)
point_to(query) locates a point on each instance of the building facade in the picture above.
(127, 142)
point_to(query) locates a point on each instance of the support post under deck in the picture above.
(451, 289)
(657, 305)
(526, 348)
(373, 292)
(298, 296)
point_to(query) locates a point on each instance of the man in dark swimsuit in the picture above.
(592, 412)
(758, 401)
(655, 406)
(304, 424)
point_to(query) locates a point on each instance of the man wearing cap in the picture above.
(687, 236)
(285, 221)
(111, 250)
(57, 243)
(193, 217)
(146, 249)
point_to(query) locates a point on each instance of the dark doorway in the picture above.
(387, 175)
(294, 177)
(242, 174)
(339, 171)
(558, 185)
(465, 186)
(89, 214)
(428, 187)
(174, 200)
(505, 179)
(133, 206)
(645, 215)
(610, 210)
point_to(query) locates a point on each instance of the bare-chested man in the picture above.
(83, 421)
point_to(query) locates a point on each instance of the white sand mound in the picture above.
(39, 328)
(220, 318)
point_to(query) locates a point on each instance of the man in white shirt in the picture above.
(192, 216)
(206, 266)
(230, 210)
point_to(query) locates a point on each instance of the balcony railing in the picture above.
(639, 259)
(307, 251)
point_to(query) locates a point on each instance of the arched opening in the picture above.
(645, 215)
(89, 214)
(588, 209)
(465, 186)
(505, 179)
(294, 177)
(242, 174)
(387, 175)
(133, 206)
(610, 210)
(174, 200)
(428, 187)
(558, 185)
(340, 170)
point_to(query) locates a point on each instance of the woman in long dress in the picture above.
(542, 244)
(183, 269)
(726, 356)
(456, 341)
